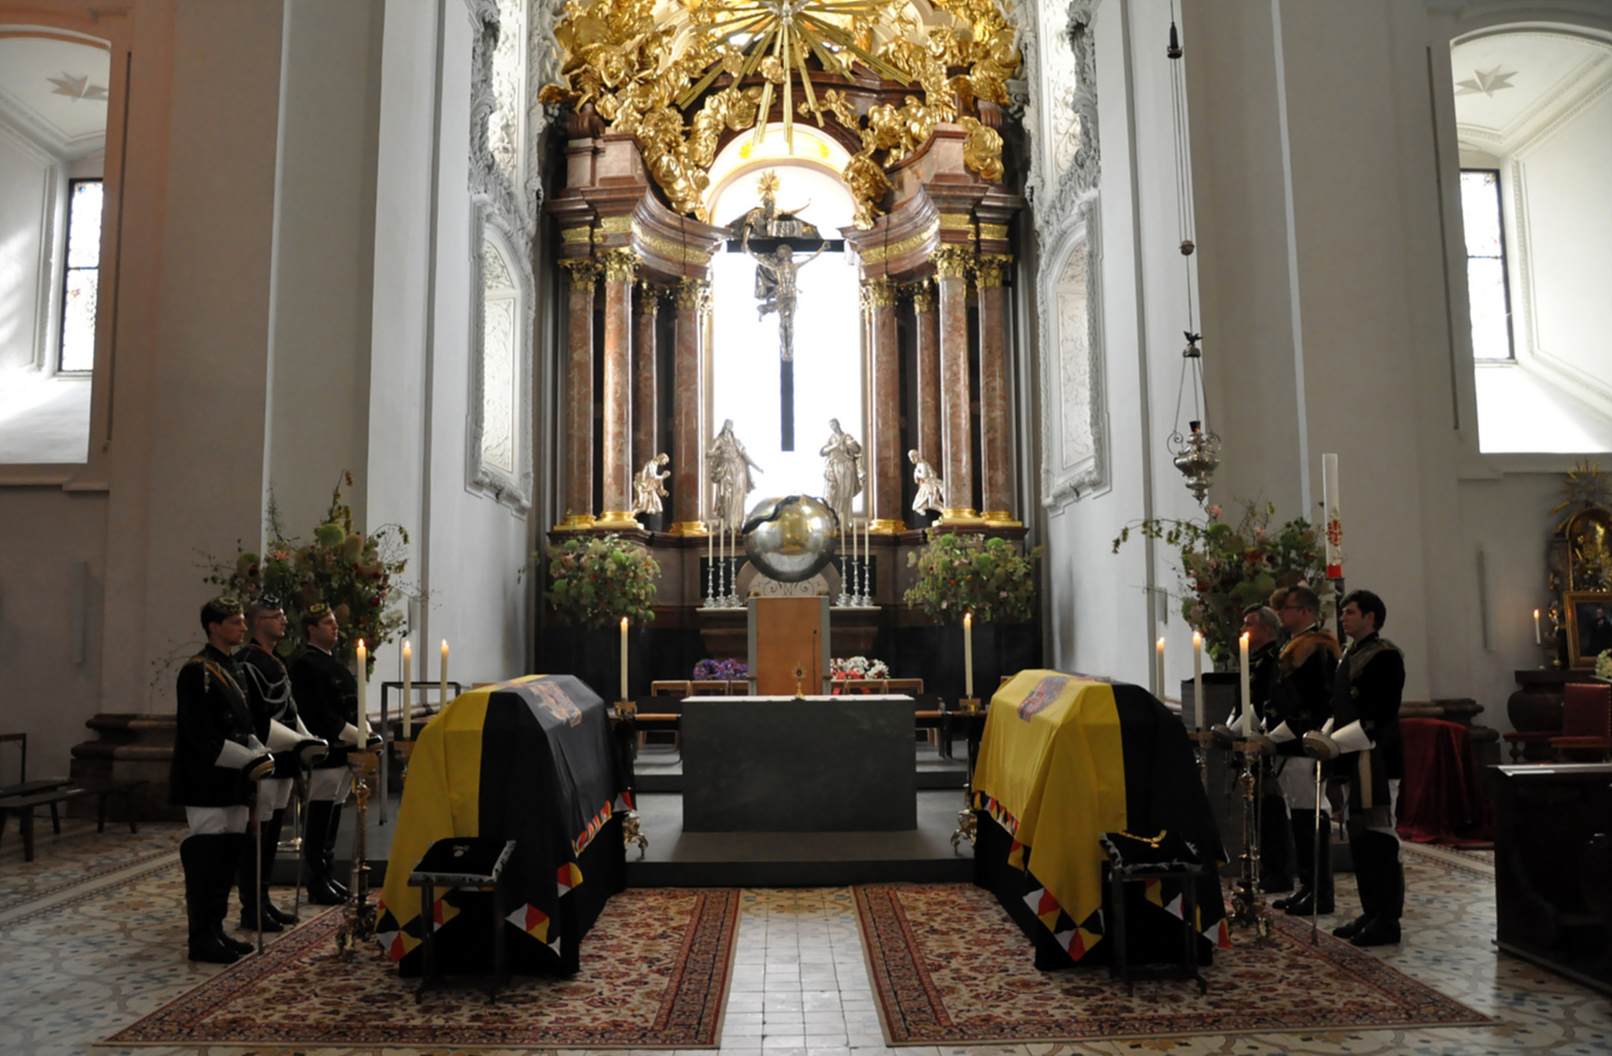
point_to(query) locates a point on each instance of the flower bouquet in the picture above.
(856, 668)
(721, 671)
(595, 580)
(960, 574)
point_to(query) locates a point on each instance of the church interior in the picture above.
(682, 351)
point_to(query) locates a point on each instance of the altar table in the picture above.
(530, 760)
(817, 764)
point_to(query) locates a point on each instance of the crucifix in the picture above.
(772, 237)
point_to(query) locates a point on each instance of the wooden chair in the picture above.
(1586, 735)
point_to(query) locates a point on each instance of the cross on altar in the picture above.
(776, 268)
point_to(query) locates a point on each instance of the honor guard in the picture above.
(327, 700)
(277, 724)
(1363, 739)
(1301, 702)
(1263, 628)
(216, 758)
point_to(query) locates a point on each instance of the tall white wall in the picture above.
(28, 191)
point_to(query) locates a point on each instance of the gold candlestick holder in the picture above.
(1248, 909)
(358, 916)
(632, 829)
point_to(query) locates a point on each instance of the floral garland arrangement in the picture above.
(855, 667)
(1227, 567)
(721, 671)
(1603, 665)
(355, 574)
(595, 580)
(960, 574)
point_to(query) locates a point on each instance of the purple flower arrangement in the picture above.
(721, 671)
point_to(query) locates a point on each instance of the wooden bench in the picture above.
(23, 805)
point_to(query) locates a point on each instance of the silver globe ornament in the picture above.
(790, 539)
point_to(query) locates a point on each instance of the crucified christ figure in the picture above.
(777, 290)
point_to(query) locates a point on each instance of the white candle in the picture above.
(1331, 519)
(968, 654)
(408, 687)
(1197, 679)
(1159, 664)
(1246, 724)
(867, 560)
(442, 677)
(710, 561)
(1538, 640)
(623, 658)
(363, 705)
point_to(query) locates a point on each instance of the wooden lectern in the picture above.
(786, 633)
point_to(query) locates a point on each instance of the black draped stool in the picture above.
(462, 862)
(1163, 857)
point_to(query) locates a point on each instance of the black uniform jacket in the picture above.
(1368, 685)
(1262, 677)
(212, 710)
(1303, 694)
(268, 695)
(327, 698)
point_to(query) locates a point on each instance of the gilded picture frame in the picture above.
(1589, 626)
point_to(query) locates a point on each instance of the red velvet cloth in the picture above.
(1441, 799)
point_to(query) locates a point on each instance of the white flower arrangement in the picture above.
(1603, 665)
(858, 667)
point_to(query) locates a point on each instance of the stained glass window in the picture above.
(82, 277)
(1488, 296)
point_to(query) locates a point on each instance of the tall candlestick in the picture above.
(1159, 664)
(1246, 724)
(1538, 640)
(867, 559)
(1331, 519)
(408, 690)
(363, 703)
(623, 658)
(1197, 679)
(968, 655)
(442, 678)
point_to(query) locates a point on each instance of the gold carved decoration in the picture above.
(923, 296)
(652, 70)
(615, 225)
(878, 292)
(690, 292)
(952, 261)
(620, 265)
(990, 267)
(671, 250)
(584, 273)
(648, 298)
(573, 235)
(956, 222)
(879, 254)
(998, 232)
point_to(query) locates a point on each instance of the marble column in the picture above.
(645, 416)
(956, 438)
(688, 365)
(620, 265)
(996, 454)
(578, 496)
(884, 443)
(928, 375)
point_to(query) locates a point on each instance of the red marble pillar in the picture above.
(956, 439)
(620, 266)
(929, 416)
(691, 296)
(645, 416)
(879, 294)
(996, 449)
(578, 495)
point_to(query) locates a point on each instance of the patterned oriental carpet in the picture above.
(655, 974)
(949, 967)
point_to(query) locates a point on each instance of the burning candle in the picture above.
(1245, 725)
(1159, 665)
(968, 655)
(408, 688)
(623, 658)
(1331, 519)
(363, 705)
(1197, 679)
(1538, 639)
(442, 678)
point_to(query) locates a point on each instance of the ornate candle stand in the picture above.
(1247, 907)
(358, 916)
(1201, 740)
(710, 582)
(967, 820)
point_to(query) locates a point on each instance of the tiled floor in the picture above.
(91, 939)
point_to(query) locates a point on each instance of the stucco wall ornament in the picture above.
(1074, 417)
(1065, 160)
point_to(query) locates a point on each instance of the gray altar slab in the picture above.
(747, 767)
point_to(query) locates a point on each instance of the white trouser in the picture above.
(331, 784)
(213, 821)
(273, 793)
(1297, 781)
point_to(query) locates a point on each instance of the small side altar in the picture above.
(746, 768)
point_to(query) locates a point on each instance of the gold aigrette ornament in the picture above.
(679, 74)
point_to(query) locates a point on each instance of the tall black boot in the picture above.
(1316, 894)
(1384, 879)
(253, 882)
(330, 851)
(204, 944)
(1302, 825)
(271, 847)
(320, 890)
(224, 855)
(1275, 845)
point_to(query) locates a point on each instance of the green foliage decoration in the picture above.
(595, 580)
(960, 573)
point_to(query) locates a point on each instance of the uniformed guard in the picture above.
(277, 724)
(1264, 628)
(1302, 701)
(215, 760)
(327, 699)
(1370, 757)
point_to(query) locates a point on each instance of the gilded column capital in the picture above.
(878, 292)
(990, 267)
(952, 261)
(691, 293)
(649, 296)
(620, 265)
(923, 295)
(584, 273)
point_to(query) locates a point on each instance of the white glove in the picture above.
(254, 762)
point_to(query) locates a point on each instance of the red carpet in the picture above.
(655, 974)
